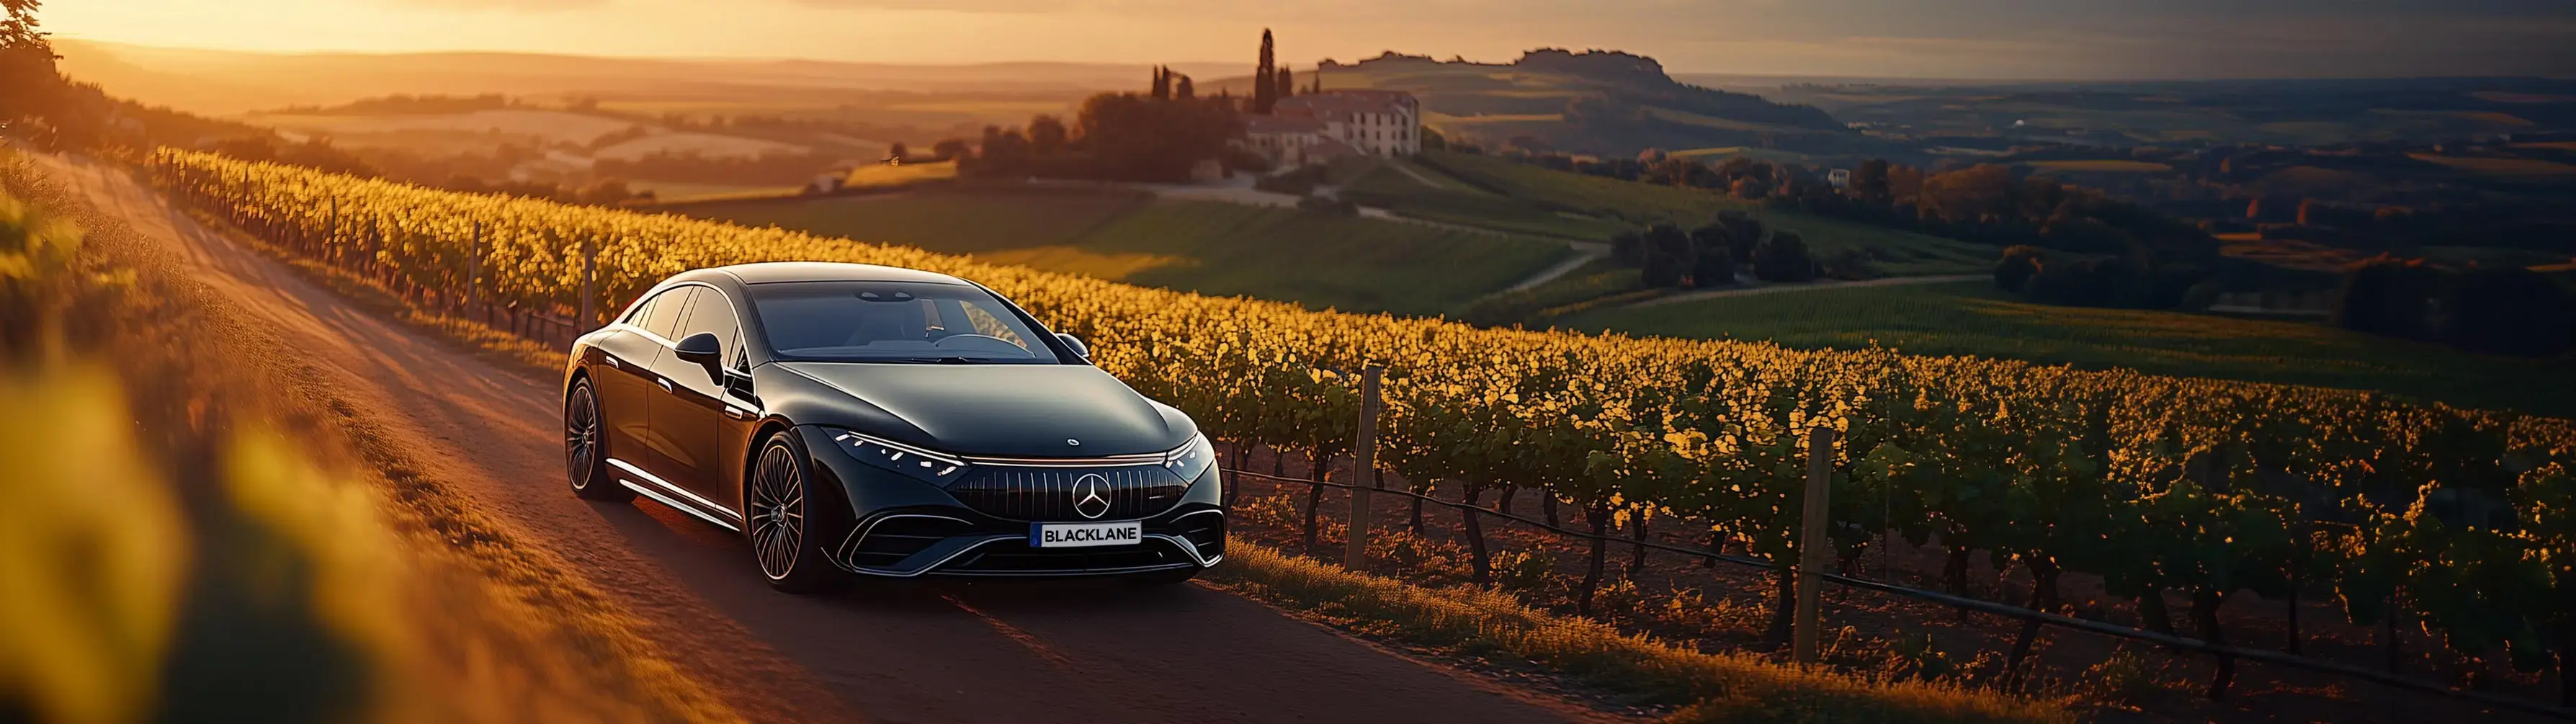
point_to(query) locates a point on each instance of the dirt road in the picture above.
(885, 653)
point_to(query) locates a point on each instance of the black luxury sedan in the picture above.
(856, 419)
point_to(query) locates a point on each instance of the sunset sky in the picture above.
(1904, 38)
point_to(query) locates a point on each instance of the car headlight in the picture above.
(1190, 459)
(931, 467)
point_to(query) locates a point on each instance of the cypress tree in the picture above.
(1262, 93)
(1283, 87)
(1182, 89)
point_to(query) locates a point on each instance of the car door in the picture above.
(700, 429)
(627, 387)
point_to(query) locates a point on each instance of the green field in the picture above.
(1448, 200)
(1631, 204)
(1216, 248)
(1973, 318)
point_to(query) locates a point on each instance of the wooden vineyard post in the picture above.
(589, 282)
(1355, 557)
(473, 270)
(1814, 551)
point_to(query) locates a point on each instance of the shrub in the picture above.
(1526, 572)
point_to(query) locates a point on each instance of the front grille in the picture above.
(1047, 494)
(1003, 558)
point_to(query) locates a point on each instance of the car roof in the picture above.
(824, 271)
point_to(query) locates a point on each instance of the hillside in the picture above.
(1973, 318)
(1215, 248)
(1599, 102)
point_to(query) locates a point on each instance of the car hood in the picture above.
(999, 409)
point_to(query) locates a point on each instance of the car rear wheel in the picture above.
(784, 514)
(585, 454)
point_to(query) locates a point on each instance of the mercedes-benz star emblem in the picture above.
(1091, 495)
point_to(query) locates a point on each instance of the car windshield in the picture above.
(917, 322)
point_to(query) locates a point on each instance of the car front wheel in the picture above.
(785, 512)
(585, 451)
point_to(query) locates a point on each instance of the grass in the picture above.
(1492, 624)
(1973, 318)
(879, 176)
(681, 191)
(1898, 252)
(1353, 264)
(1453, 202)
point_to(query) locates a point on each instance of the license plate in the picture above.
(1077, 535)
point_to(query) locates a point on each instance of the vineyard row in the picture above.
(2462, 522)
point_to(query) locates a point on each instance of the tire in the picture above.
(585, 448)
(785, 512)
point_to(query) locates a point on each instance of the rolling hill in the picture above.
(224, 82)
(1595, 102)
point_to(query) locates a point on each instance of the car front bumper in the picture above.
(905, 528)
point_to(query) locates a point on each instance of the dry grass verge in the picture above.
(1712, 687)
(200, 531)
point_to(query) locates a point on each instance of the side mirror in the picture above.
(1076, 343)
(701, 348)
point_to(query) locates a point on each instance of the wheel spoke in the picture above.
(778, 496)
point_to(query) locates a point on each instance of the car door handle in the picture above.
(612, 361)
(666, 384)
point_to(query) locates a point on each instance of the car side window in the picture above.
(711, 313)
(642, 310)
(667, 308)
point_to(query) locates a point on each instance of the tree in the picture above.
(2507, 310)
(1667, 257)
(1005, 153)
(1283, 87)
(2388, 296)
(1628, 248)
(896, 154)
(1182, 90)
(2013, 272)
(1139, 138)
(1743, 233)
(1162, 82)
(1263, 93)
(953, 149)
(30, 87)
(1046, 136)
(1869, 182)
(1713, 256)
(1783, 258)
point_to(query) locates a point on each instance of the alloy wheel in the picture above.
(777, 512)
